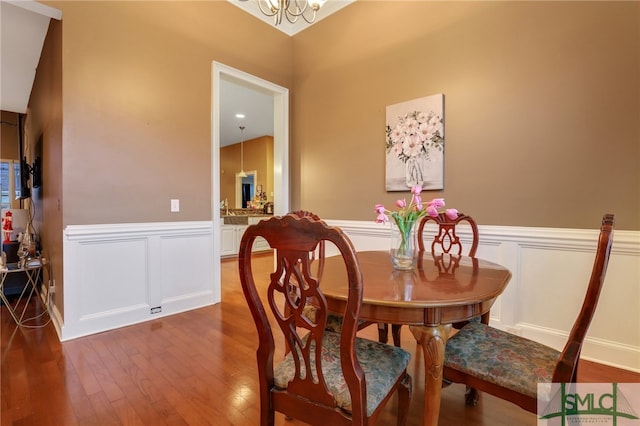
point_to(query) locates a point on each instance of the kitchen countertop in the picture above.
(241, 219)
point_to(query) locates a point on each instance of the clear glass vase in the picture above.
(404, 246)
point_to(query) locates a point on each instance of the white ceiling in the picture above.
(328, 8)
(256, 107)
(24, 25)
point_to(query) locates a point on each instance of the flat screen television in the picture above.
(25, 192)
(25, 171)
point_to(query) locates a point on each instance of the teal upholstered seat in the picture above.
(334, 322)
(505, 359)
(509, 366)
(382, 365)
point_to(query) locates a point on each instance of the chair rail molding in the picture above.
(550, 267)
(115, 274)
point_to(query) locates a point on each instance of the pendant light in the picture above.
(242, 173)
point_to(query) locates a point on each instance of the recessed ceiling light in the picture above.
(239, 115)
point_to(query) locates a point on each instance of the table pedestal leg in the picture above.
(432, 339)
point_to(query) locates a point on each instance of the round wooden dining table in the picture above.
(442, 290)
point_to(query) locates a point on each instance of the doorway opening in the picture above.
(281, 204)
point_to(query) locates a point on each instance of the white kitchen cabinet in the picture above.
(231, 235)
(260, 244)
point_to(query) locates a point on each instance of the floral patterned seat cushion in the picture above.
(502, 358)
(334, 321)
(382, 365)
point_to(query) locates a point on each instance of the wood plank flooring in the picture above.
(194, 368)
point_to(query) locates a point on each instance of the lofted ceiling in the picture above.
(24, 25)
(258, 107)
(328, 8)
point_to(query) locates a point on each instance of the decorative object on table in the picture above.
(28, 245)
(259, 200)
(404, 251)
(19, 220)
(445, 242)
(415, 144)
(7, 228)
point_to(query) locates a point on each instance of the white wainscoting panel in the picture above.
(117, 275)
(551, 268)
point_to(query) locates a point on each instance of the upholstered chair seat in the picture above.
(382, 365)
(499, 357)
(510, 367)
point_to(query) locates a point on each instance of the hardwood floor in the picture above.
(194, 368)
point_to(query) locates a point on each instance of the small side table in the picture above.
(32, 269)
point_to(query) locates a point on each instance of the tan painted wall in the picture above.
(135, 131)
(10, 145)
(534, 95)
(43, 130)
(9, 136)
(542, 107)
(137, 102)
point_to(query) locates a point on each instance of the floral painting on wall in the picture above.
(415, 144)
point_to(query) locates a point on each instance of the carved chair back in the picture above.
(278, 302)
(446, 239)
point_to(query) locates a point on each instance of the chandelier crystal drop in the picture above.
(290, 9)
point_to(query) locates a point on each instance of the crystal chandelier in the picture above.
(291, 9)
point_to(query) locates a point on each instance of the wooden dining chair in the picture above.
(509, 366)
(327, 377)
(445, 241)
(334, 321)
